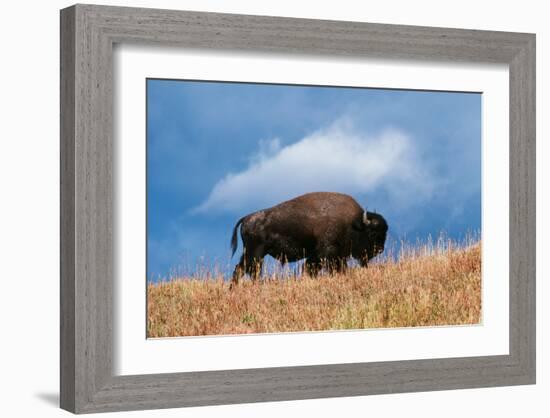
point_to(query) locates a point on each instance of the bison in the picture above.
(324, 228)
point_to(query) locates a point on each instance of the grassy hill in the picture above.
(426, 286)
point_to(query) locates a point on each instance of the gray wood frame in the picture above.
(88, 33)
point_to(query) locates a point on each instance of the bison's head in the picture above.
(370, 231)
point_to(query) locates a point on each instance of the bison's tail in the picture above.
(234, 236)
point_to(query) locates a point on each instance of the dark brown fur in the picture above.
(324, 228)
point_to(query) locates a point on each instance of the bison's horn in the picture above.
(365, 218)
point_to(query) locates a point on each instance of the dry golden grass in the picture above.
(426, 286)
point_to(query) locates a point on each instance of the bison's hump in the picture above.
(319, 204)
(322, 199)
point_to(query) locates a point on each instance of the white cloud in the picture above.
(338, 158)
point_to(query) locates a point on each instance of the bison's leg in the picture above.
(247, 265)
(254, 262)
(254, 268)
(363, 261)
(313, 266)
(361, 258)
(337, 265)
(238, 272)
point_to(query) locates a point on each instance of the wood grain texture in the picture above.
(87, 36)
(67, 196)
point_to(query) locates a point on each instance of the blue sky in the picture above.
(217, 151)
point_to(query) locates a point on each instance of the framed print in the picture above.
(277, 189)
